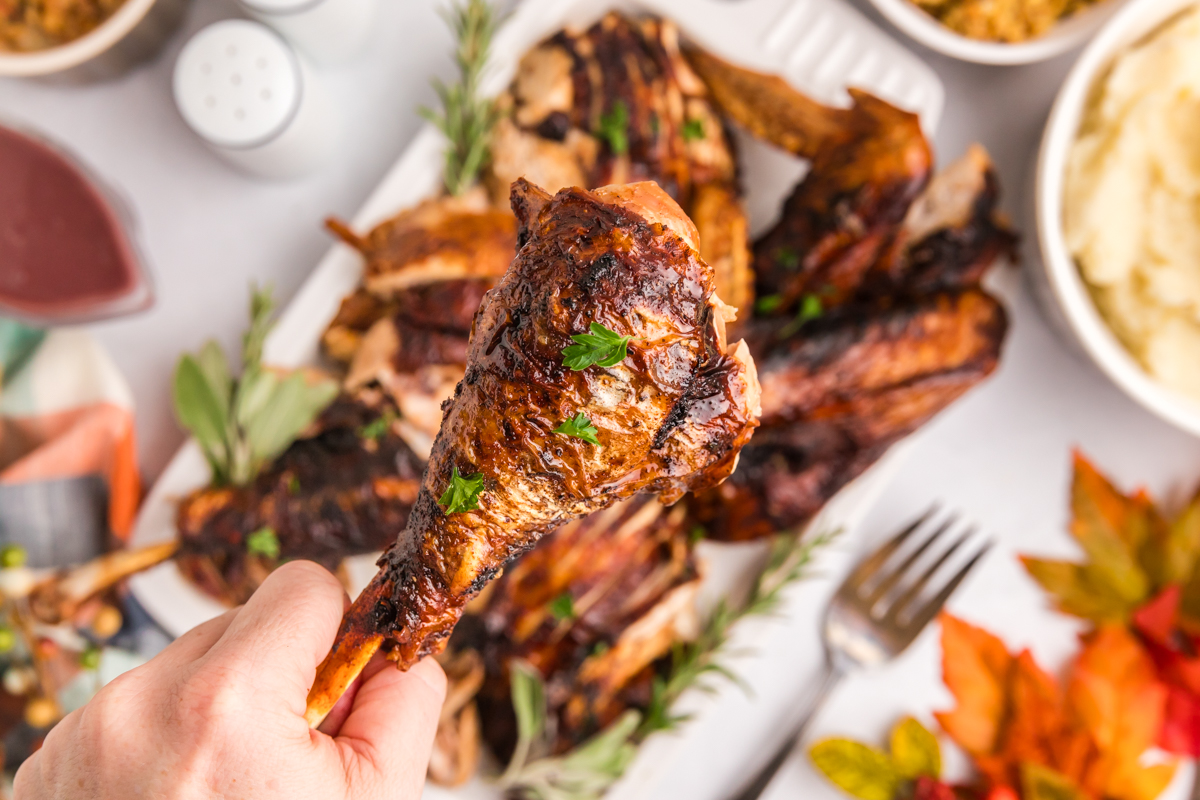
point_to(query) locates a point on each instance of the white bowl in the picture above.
(1059, 283)
(1072, 31)
(133, 33)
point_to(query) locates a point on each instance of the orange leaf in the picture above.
(1116, 696)
(975, 667)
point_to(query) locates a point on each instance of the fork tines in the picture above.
(894, 592)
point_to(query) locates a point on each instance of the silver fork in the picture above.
(874, 616)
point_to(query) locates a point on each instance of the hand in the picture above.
(220, 714)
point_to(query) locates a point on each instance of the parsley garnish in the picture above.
(613, 128)
(697, 533)
(810, 309)
(693, 130)
(376, 428)
(562, 607)
(90, 657)
(263, 542)
(580, 427)
(765, 305)
(293, 485)
(787, 257)
(600, 649)
(602, 347)
(463, 493)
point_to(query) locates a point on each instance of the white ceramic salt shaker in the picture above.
(327, 31)
(253, 100)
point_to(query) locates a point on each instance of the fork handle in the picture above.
(832, 676)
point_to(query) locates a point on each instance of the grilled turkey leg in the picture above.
(671, 417)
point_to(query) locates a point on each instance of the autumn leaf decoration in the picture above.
(911, 769)
(1139, 571)
(1031, 737)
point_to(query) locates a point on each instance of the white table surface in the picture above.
(1001, 455)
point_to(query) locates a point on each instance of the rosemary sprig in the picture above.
(588, 771)
(466, 119)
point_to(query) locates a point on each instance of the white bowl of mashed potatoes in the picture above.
(1118, 205)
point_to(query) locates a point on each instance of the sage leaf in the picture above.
(200, 411)
(292, 407)
(212, 362)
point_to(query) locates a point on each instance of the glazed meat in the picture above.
(440, 239)
(835, 398)
(344, 489)
(617, 103)
(670, 417)
(591, 608)
(868, 163)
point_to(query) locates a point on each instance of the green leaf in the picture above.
(787, 257)
(810, 308)
(915, 751)
(528, 694)
(1043, 783)
(614, 128)
(462, 494)
(263, 542)
(608, 753)
(601, 346)
(200, 411)
(693, 130)
(765, 305)
(253, 393)
(563, 607)
(855, 768)
(291, 407)
(212, 362)
(262, 305)
(1078, 590)
(376, 428)
(580, 427)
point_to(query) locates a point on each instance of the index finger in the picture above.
(284, 630)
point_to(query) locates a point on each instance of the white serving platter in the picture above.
(821, 46)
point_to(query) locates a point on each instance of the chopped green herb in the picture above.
(580, 427)
(263, 542)
(810, 309)
(614, 128)
(602, 347)
(12, 555)
(8, 639)
(693, 130)
(654, 124)
(697, 533)
(90, 657)
(293, 485)
(765, 305)
(827, 290)
(562, 607)
(377, 427)
(463, 492)
(600, 649)
(787, 257)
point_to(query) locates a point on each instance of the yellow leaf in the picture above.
(915, 750)
(855, 768)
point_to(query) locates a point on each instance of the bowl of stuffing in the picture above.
(1117, 206)
(83, 39)
(999, 31)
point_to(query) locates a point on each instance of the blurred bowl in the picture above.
(135, 33)
(1066, 34)
(1058, 284)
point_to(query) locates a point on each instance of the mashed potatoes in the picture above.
(1132, 201)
